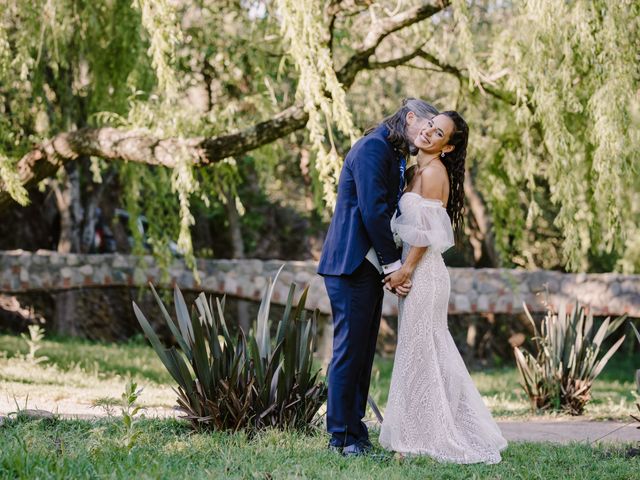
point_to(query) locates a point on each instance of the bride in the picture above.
(434, 408)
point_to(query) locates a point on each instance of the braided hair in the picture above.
(454, 163)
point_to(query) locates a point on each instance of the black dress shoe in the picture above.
(355, 450)
(335, 449)
(366, 444)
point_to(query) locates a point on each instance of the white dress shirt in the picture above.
(383, 269)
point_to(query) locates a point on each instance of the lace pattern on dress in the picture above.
(433, 407)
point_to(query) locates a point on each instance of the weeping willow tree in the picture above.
(550, 90)
(155, 121)
(551, 93)
(77, 67)
(573, 69)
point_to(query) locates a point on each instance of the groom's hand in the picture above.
(399, 282)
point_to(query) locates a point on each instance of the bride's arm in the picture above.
(433, 181)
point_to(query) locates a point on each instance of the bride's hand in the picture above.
(398, 278)
(404, 289)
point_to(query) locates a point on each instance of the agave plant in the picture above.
(637, 419)
(569, 357)
(244, 382)
(635, 330)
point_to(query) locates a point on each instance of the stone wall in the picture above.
(472, 290)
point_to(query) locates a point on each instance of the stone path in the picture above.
(533, 431)
(571, 431)
(564, 431)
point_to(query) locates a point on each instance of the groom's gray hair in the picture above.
(397, 123)
(421, 108)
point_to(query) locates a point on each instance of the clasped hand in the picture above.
(398, 282)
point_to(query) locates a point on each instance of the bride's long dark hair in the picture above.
(454, 162)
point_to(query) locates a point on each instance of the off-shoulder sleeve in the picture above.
(425, 225)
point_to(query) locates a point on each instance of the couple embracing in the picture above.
(389, 229)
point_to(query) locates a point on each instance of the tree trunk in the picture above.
(65, 318)
(235, 231)
(93, 196)
(237, 247)
(62, 192)
(75, 207)
(482, 240)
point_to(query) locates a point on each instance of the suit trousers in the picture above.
(356, 305)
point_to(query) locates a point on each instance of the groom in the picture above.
(358, 252)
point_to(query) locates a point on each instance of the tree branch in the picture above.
(503, 95)
(381, 30)
(396, 62)
(143, 147)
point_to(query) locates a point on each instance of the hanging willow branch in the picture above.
(318, 89)
(143, 147)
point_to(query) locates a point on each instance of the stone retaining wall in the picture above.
(472, 290)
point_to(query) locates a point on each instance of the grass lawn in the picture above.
(80, 373)
(51, 448)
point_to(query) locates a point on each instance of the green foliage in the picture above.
(11, 182)
(206, 47)
(246, 382)
(553, 152)
(635, 330)
(159, 19)
(568, 359)
(323, 97)
(60, 62)
(571, 67)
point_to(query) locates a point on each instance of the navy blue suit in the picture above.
(367, 197)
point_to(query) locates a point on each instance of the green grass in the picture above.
(134, 358)
(79, 373)
(87, 372)
(54, 448)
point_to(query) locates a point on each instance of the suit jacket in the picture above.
(367, 198)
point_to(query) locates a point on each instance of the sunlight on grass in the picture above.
(166, 449)
(79, 375)
(72, 391)
(136, 359)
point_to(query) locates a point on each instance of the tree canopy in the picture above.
(168, 97)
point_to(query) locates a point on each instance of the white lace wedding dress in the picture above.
(433, 408)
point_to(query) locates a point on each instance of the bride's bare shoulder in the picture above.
(434, 182)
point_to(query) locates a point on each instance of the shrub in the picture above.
(247, 382)
(569, 357)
